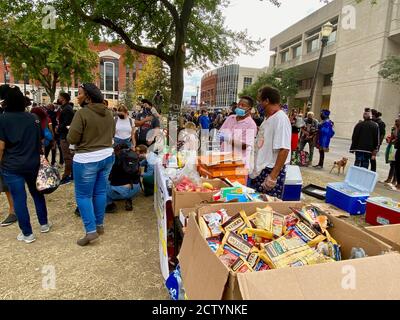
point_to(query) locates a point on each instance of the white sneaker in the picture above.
(27, 239)
(46, 227)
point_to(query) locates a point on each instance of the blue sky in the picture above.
(262, 20)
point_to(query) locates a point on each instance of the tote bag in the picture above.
(48, 179)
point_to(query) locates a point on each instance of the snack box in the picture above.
(293, 184)
(182, 199)
(351, 195)
(382, 211)
(205, 277)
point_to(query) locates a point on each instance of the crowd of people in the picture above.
(110, 155)
(103, 151)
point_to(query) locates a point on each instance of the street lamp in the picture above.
(24, 66)
(326, 31)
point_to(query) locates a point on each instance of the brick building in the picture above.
(113, 75)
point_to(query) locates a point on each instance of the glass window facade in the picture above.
(227, 85)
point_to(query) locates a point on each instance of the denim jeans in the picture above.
(121, 141)
(91, 191)
(16, 185)
(121, 192)
(362, 159)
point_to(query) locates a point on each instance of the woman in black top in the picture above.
(20, 147)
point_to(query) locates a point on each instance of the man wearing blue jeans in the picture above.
(365, 140)
(124, 180)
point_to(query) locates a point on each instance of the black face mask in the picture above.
(121, 116)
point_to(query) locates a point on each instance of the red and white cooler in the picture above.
(382, 211)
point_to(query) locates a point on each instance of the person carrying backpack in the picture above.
(124, 179)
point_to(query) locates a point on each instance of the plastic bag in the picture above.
(175, 286)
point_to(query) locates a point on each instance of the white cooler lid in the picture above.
(361, 179)
(293, 175)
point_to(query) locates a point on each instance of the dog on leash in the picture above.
(340, 165)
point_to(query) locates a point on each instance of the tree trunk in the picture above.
(177, 78)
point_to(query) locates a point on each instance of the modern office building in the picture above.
(348, 80)
(222, 86)
(113, 76)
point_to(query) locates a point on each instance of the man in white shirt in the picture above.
(273, 143)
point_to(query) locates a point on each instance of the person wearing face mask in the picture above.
(124, 128)
(66, 116)
(239, 131)
(92, 131)
(148, 124)
(272, 148)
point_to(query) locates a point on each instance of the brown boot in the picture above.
(100, 230)
(89, 237)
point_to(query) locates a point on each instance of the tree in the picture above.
(182, 33)
(390, 69)
(53, 56)
(154, 76)
(284, 80)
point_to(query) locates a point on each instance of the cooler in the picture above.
(351, 195)
(293, 184)
(382, 211)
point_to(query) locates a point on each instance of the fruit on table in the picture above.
(208, 185)
(187, 185)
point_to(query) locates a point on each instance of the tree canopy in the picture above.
(52, 56)
(390, 69)
(153, 77)
(283, 80)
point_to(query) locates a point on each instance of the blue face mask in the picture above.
(240, 112)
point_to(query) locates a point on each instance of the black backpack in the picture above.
(130, 164)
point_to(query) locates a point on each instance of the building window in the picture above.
(127, 72)
(109, 74)
(274, 60)
(285, 56)
(328, 80)
(247, 81)
(305, 84)
(296, 52)
(332, 37)
(313, 45)
(7, 75)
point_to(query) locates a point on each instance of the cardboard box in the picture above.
(389, 234)
(182, 199)
(375, 277)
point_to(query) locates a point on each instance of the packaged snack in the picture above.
(214, 243)
(205, 231)
(290, 221)
(228, 256)
(277, 224)
(264, 218)
(237, 243)
(261, 266)
(258, 232)
(241, 266)
(252, 259)
(214, 221)
(310, 236)
(236, 223)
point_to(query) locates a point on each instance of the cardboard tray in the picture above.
(205, 277)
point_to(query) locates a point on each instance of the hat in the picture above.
(93, 92)
(325, 113)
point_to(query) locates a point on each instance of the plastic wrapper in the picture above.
(174, 285)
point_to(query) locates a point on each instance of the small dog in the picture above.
(341, 164)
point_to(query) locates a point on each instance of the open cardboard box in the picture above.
(388, 233)
(181, 199)
(205, 277)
